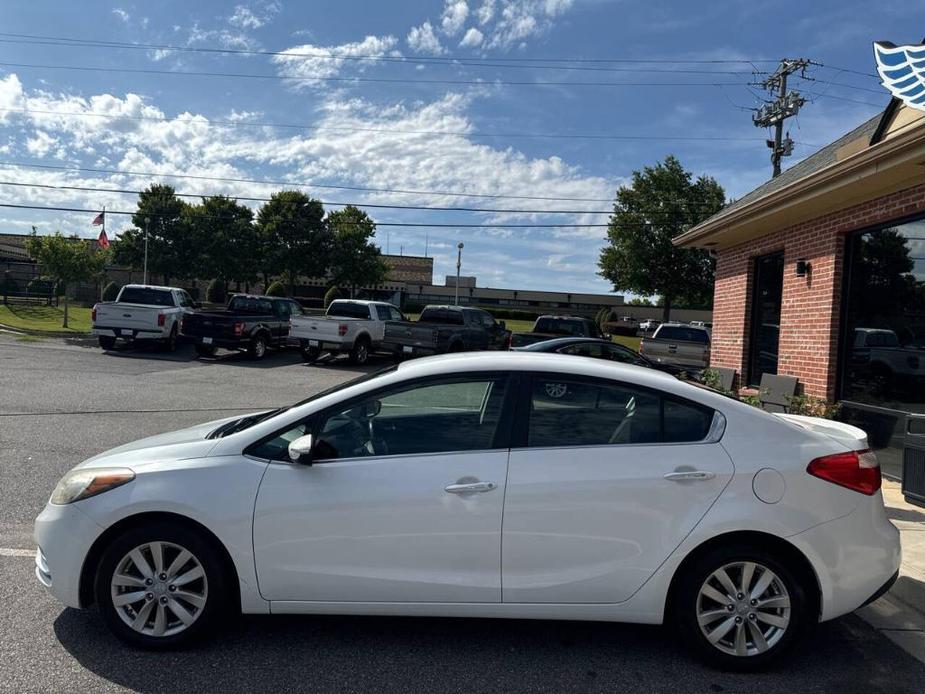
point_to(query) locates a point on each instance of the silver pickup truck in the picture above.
(349, 326)
(676, 343)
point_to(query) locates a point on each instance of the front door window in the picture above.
(767, 294)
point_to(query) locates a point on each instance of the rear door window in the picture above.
(146, 296)
(682, 334)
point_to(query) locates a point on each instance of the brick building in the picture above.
(821, 275)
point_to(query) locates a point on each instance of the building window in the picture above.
(883, 355)
(767, 294)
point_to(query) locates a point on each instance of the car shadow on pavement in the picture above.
(905, 514)
(385, 654)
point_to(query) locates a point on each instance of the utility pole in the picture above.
(459, 248)
(784, 105)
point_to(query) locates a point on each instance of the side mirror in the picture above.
(300, 450)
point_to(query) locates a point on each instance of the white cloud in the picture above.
(11, 96)
(472, 38)
(455, 13)
(122, 14)
(486, 11)
(311, 64)
(255, 16)
(422, 39)
(522, 19)
(41, 144)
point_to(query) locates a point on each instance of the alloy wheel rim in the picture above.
(743, 609)
(361, 353)
(159, 589)
(260, 348)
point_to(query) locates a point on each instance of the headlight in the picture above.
(86, 482)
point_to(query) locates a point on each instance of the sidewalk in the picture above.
(900, 614)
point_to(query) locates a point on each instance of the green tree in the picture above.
(639, 301)
(226, 239)
(293, 236)
(65, 261)
(173, 246)
(662, 202)
(355, 260)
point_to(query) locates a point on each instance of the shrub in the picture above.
(332, 294)
(215, 292)
(812, 407)
(276, 288)
(111, 291)
(39, 286)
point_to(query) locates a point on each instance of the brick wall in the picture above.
(810, 311)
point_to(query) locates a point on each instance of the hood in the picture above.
(174, 445)
(847, 435)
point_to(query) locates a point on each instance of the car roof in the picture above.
(152, 286)
(363, 302)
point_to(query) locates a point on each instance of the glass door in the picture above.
(767, 294)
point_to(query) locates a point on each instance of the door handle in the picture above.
(684, 475)
(469, 487)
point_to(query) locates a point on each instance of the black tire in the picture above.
(205, 350)
(170, 344)
(216, 581)
(107, 342)
(258, 347)
(687, 600)
(455, 348)
(359, 353)
(309, 354)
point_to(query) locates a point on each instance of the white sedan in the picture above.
(507, 485)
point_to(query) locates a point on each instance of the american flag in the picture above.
(103, 240)
(99, 219)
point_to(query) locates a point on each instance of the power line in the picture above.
(378, 224)
(122, 191)
(405, 60)
(372, 80)
(334, 128)
(228, 179)
(321, 53)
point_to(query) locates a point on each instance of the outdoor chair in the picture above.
(775, 392)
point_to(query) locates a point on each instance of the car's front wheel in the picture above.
(741, 608)
(161, 586)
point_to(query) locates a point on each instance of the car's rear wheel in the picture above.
(107, 342)
(309, 354)
(741, 608)
(359, 354)
(161, 586)
(205, 350)
(258, 347)
(170, 343)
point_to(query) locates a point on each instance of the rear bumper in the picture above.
(128, 333)
(324, 345)
(854, 556)
(224, 342)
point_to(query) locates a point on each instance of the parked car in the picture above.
(649, 326)
(548, 327)
(249, 323)
(624, 325)
(675, 343)
(454, 486)
(878, 355)
(348, 326)
(701, 324)
(441, 329)
(141, 312)
(599, 349)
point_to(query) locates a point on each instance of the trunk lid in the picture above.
(850, 436)
(130, 316)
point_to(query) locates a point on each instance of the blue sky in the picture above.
(438, 126)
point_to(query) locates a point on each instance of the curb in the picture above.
(43, 333)
(910, 592)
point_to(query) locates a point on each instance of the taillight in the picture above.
(239, 328)
(342, 329)
(856, 470)
(642, 346)
(161, 319)
(93, 314)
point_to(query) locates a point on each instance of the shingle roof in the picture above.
(813, 163)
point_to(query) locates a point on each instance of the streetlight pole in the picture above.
(459, 248)
(147, 222)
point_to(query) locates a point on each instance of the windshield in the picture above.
(146, 295)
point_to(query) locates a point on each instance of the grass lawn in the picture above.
(45, 318)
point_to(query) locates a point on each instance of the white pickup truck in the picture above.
(142, 312)
(350, 325)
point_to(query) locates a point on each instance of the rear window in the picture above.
(348, 309)
(251, 305)
(441, 315)
(682, 334)
(146, 295)
(563, 326)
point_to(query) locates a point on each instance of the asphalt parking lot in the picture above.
(62, 402)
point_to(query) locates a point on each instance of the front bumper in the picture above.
(64, 535)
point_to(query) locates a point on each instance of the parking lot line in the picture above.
(14, 552)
